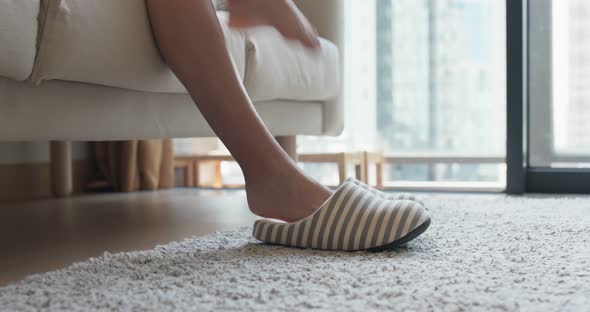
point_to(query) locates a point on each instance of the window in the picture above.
(560, 110)
(425, 82)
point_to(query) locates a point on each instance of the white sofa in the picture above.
(82, 70)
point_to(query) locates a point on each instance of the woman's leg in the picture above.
(192, 43)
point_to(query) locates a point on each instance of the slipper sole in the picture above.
(406, 239)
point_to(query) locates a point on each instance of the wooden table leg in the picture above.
(360, 166)
(342, 167)
(378, 159)
(196, 173)
(364, 162)
(379, 169)
(61, 168)
(189, 178)
(218, 178)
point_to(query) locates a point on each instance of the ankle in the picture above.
(272, 173)
(285, 196)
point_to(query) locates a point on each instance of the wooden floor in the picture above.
(40, 236)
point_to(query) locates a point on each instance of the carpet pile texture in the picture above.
(492, 253)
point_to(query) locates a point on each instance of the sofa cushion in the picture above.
(18, 37)
(109, 42)
(60, 110)
(282, 69)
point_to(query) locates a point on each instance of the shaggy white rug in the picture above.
(481, 253)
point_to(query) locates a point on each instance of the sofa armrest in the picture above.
(328, 17)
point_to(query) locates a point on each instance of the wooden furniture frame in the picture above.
(360, 160)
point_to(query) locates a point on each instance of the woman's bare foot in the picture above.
(281, 14)
(285, 196)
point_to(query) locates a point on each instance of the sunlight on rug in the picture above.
(480, 253)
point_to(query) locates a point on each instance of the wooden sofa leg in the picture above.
(61, 168)
(289, 144)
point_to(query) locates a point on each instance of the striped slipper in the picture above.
(351, 219)
(400, 196)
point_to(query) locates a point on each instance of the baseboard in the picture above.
(32, 181)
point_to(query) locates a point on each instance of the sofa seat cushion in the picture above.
(18, 37)
(110, 43)
(60, 110)
(282, 69)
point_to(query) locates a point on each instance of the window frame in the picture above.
(523, 89)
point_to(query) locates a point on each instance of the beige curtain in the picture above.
(130, 166)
